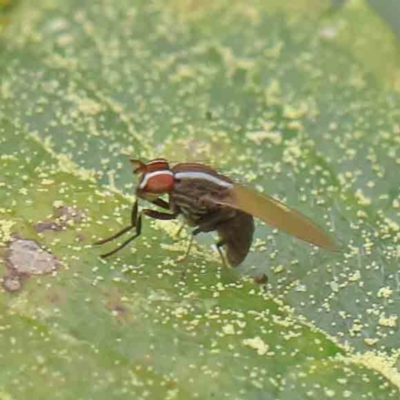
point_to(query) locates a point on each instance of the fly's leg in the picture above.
(134, 215)
(138, 226)
(178, 232)
(136, 223)
(187, 252)
(207, 224)
(227, 274)
(186, 255)
(161, 203)
(218, 245)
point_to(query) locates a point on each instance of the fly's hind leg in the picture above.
(261, 280)
(186, 255)
(187, 252)
(228, 275)
(218, 245)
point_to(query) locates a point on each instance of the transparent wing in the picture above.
(277, 214)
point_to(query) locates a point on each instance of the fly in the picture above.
(209, 201)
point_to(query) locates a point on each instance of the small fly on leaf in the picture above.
(210, 202)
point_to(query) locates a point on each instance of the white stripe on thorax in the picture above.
(203, 175)
(150, 175)
(156, 161)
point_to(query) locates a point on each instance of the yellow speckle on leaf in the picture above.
(362, 199)
(385, 292)
(295, 112)
(179, 312)
(371, 184)
(228, 329)
(278, 269)
(361, 214)
(47, 182)
(294, 125)
(292, 152)
(378, 363)
(58, 203)
(334, 286)
(392, 224)
(355, 276)
(370, 341)
(258, 344)
(86, 106)
(389, 322)
(329, 393)
(172, 394)
(5, 230)
(260, 136)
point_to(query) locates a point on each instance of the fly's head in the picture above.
(156, 178)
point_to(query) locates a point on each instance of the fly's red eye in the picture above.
(157, 182)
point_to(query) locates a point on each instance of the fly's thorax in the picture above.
(190, 194)
(198, 180)
(198, 189)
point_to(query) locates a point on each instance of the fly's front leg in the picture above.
(161, 203)
(138, 226)
(134, 215)
(136, 222)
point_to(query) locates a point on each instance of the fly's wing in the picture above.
(276, 214)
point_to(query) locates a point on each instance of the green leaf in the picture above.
(284, 96)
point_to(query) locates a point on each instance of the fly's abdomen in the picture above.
(237, 235)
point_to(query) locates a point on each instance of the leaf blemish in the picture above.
(24, 257)
(63, 217)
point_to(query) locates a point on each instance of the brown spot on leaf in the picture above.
(260, 279)
(55, 298)
(171, 384)
(60, 220)
(24, 258)
(118, 309)
(80, 238)
(12, 283)
(47, 226)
